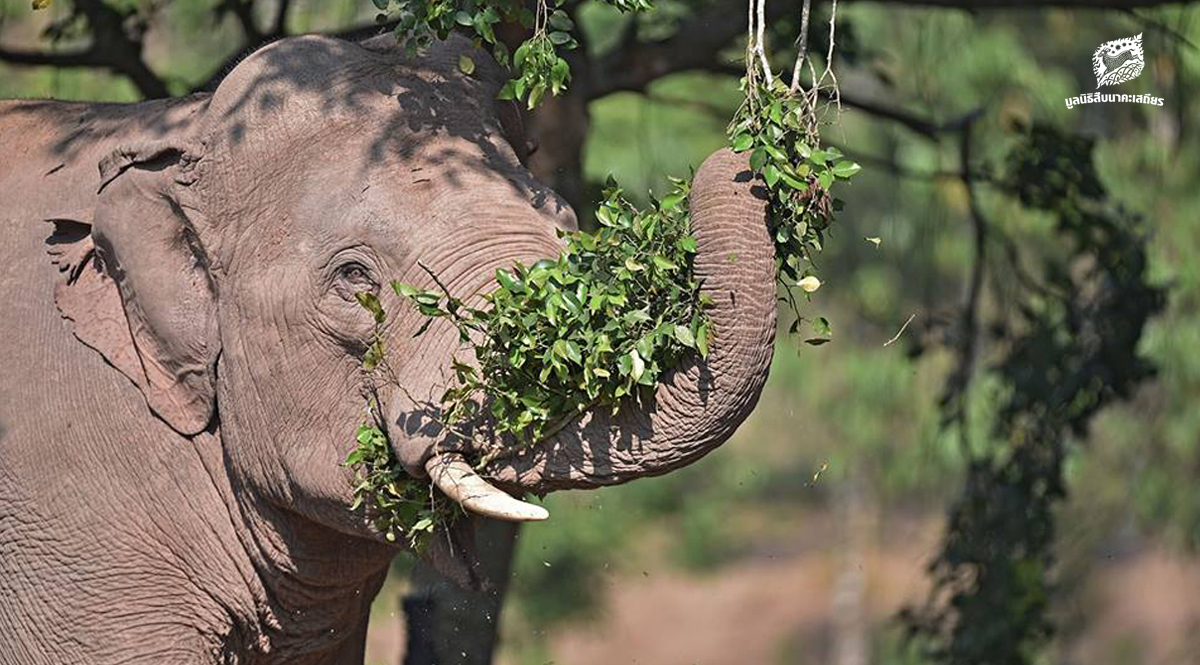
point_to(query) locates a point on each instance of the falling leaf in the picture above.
(874, 240)
(817, 475)
(810, 284)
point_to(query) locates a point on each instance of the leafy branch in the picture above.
(1073, 352)
(620, 307)
(779, 124)
(615, 310)
(536, 63)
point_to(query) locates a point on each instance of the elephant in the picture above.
(182, 347)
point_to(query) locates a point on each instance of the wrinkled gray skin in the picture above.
(181, 347)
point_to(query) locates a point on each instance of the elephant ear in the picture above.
(136, 285)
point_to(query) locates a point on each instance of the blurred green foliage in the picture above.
(873, 412)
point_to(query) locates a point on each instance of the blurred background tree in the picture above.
(997, 458)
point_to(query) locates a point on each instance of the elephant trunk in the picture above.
(698, 406)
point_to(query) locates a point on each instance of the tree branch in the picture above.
(632, 66)
(78, 58)
(279, 24)
(954, 397)
(116, 45)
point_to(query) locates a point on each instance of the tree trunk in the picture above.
(448, 625)
(851, 623)
(558, 128)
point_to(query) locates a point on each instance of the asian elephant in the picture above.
(181, 373)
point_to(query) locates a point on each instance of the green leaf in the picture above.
(635, 317)
(770, 174)
(672, 201)
(460, 17)
(825, 179)
(573, 352)
(535, 96)
(510, 282)
(558, 38)
(500, 52)
(466, 65)
(742, 142)
(404, 290)
(560, 21)
(757, 159)
(370, 302)
(519, 56)
(560, 349)
(702, 340)
(559, 74)
(483, 24)
(382, 5)
(684, 335)
(428, 298)
(846, 169)
(776, 112)
(636, 365)
(664, 263)
(792, 182)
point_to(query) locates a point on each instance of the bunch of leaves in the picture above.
(621, 306)
(777, 127)
(536, 64)
(1073, 352)
(398, 505)
(614, 311)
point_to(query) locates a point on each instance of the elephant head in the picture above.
(219, 268)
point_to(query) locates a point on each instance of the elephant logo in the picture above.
(1118, 61)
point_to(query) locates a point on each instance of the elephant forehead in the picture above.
(297, 88)
(437, 194)
(343, 190)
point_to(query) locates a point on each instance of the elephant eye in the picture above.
(354, 277)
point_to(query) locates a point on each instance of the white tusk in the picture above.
(458, 480)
